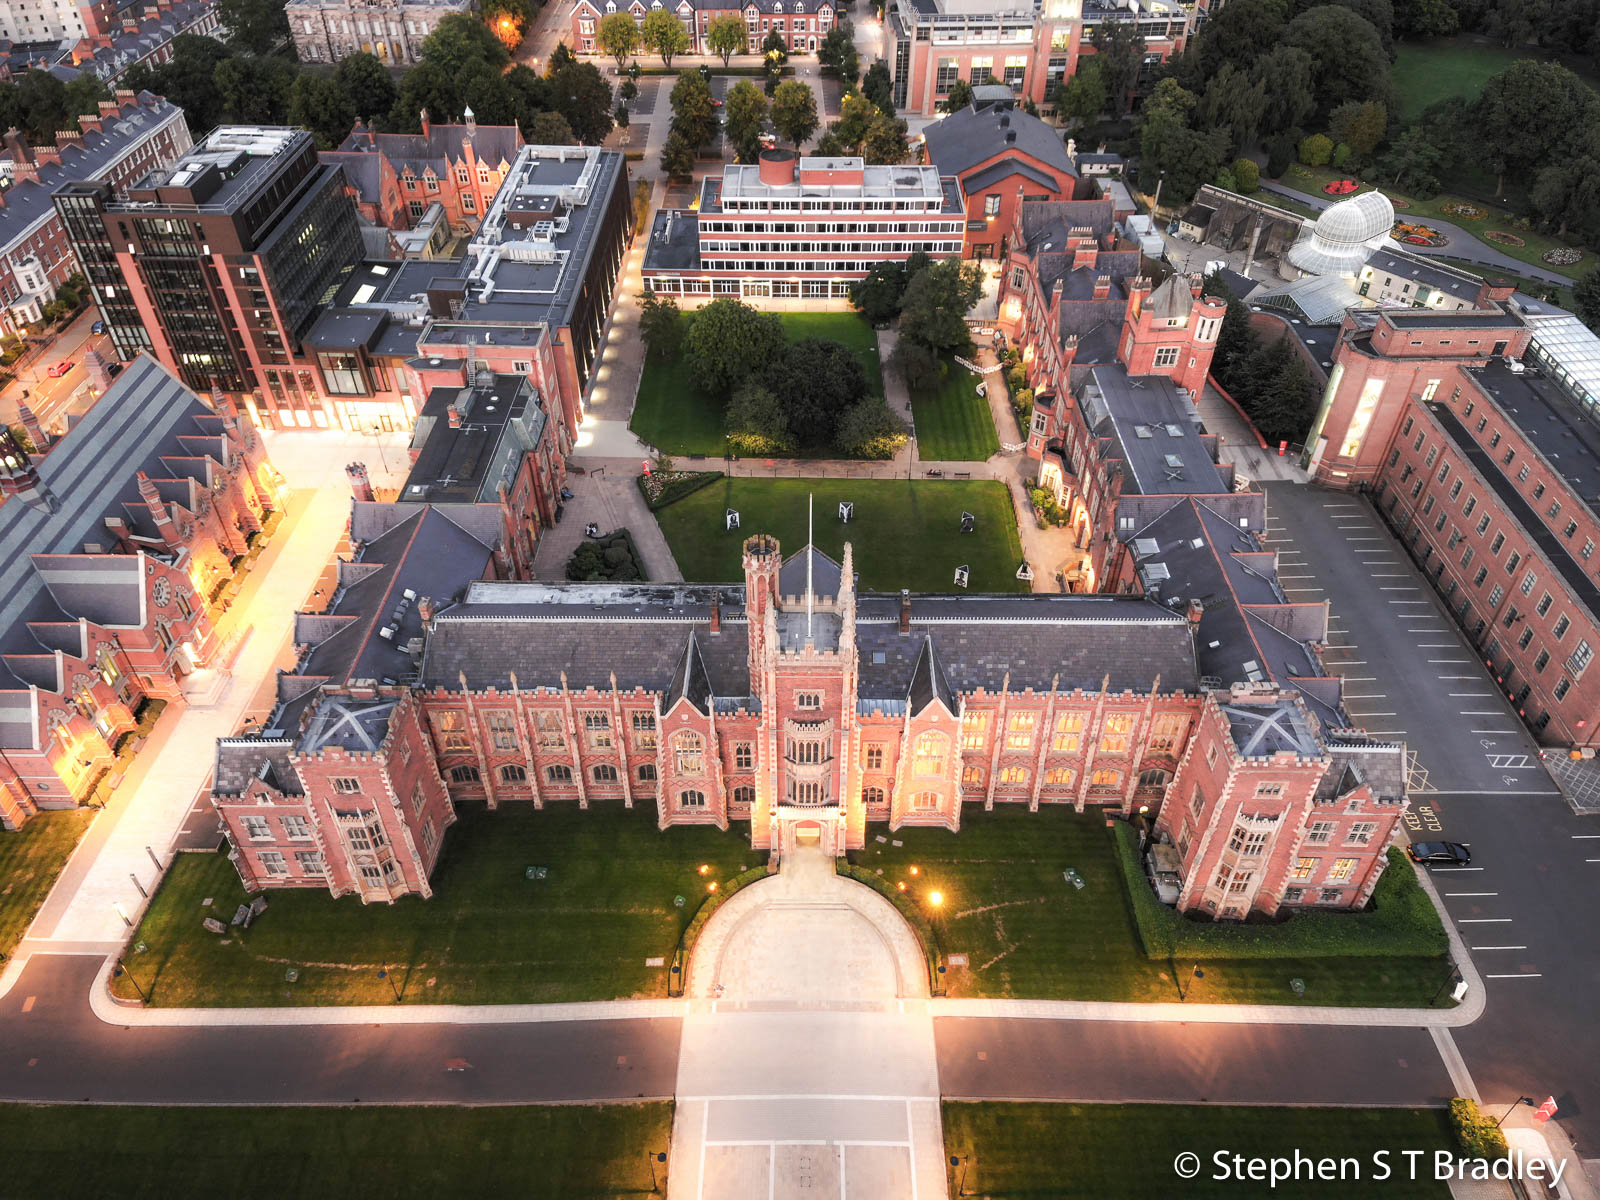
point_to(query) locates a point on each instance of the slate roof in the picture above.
(500, 422)
(826, 574)
(1403, 265)
(1155, 431)
(965, 139)
(241, 760)
(439, 149)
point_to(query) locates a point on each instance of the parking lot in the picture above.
(1477, 779)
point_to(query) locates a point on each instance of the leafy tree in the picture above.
(1567, 194)
(677, 156)
(867, 429)
(728, 35)
(255, 90)
(958, 97)
(581, 94)
(726, 341)
(831, 145)
(1288, 76)
(1361, 125)
(550, 129)
(1586, 298)
(367, 85)
(461, 41)
(628, 91)
(933, 311)
(855, 116)
(660, 325)
(1351, 63)
(1412, 156)
(1316, 150)
(41, 101)
(693, 114)
(878, 87)
(663, 33)
(756, 423)
(562, 56)
(1170, 150)
(618, 36)
(1527, 115)
(531, 94)
(508, 20)
(82, 97)
(484, 90)
(1240, 33)
(794, 111)
(1247, 175)
(1281, 149)
(885, 141)
(254, 26)
(1377, 13)
(319, 104)
(745, 107)
(425, 86)
(188, 79)
(1121, 46)
(1425, 18)
(1234, 105)
(814, 381)
(1081, 99)
(774, 49)
(620, 116)
(838, 52)
(876, 295)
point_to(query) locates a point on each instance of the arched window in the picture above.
(559, 774)
(690, 749)
(692, 799)
(931, 749)
(463, 774)
(513, 774)
(972, 775)
(1152, 779)
(605, 773)
(872, 795)
(1059, 776)
(925, 800)
(744, 795)
(1013, 774)
(1106, 777)
(647, 772)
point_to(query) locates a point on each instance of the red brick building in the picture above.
(113, 541)
(802, 24)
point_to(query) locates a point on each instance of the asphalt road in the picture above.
(51, 399)
(1117, 1061)
(54, 1049)
(1524, 906)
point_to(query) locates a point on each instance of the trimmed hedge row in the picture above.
(676, 488)
(1402, 922)
(914, 916)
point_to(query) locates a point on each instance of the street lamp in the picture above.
(383, 973)
(118, 970)
(656, 1157)
(1528, 1100)
(962, 1161)
(1197, 973)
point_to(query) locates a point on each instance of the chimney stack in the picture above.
(36, 433)
(1102, 287)
(905, 610)
(716, 613)
(1196, 610)
(18, 147)
(425, 610)
(455, 417)
(360, 483)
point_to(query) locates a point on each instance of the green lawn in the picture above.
(1090, 1151)
(953, 422)
(1425, 73)
(677, 418)
(1029, 934)
(488, 935)
(554, 1152)
(905, 532)
(30, 860)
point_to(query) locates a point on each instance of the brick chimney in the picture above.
(1102, 287)
(1138, 290)
(108, 108)
(425, 610)
(91, 125)
(905, 610)
(36, 433)
(1492, 291)
(423, 117)
(1197, 609)
(158, 512)
(716, 612)
(360, 483)
(1085, 256)
(455, 417)
(44, 155)
(18, 147)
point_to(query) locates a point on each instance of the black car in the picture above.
(113, 370)
(1450, 854)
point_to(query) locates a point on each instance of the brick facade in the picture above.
(802, 24)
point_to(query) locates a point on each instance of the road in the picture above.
(51, 399)
(1410, 673)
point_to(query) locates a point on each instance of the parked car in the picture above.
(113, 370)
(98, 327)
(1164, 869)
(1450, 854)
(61, 368)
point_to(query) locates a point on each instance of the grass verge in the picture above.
(1089, 1151)
(904, 531)
(1425, 73)
(562, 1152)
(488, 936)
(31, 859)
(953, 422)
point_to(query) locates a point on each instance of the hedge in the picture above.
(1476, 1134)
(708, 906)
(678, 485)
(917, 919)
(1401, 922)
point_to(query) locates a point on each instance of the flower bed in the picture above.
(1505, 239)
(1340, 187)
(1562, 256)
(1467, 212)
(1418, 235)
(662, 488)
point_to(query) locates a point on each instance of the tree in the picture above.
(550, 129)
(628, 91)
(618, 36)
(562, 56)
(319, 104)
(461, 41)
(867, 429)
(424, 86)
(727, 341)
(663, 33)
(745, 107)
(774, 49)
(621, 117)
(1240, 33)
(1235, 105)
(794, 111)
(1412, 156)
(82, 98)
(855, 116)
(1180, 158)
(1361, 125)
(677, 156)
(367, 84)
(1247, 175)
(933, 311)
(531, 94)
(693, 114)
(484, 90)
(1377, 13)
(1350, 61)
(1425, 18)
(255, 90)
(1281, 149)
(581, 94)
(876, 295)
(885, 141)
(660, 325)
(1121, 46)
(1081, 99)
(188, 78)
(1568, 194)
(1586, 298)
(254, 26)
(878, 87)
(1288, 77)
(1316, 150)
(1527, 114)
(756, 423)
(838, 53)
(508, 20)
(958, 97)
(814, 382)
(727, 35)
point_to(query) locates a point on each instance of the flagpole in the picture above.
(810, 553)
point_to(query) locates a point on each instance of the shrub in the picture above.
(1016, 379)
(1044, 502)
(1401, 922)
(610, 559)
(1316, 150)
(867, 429)
(1341, 155)
(1476, 1134)
(1247, 175)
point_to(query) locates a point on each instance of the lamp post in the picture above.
(655, 1157)
(119, 969)
(383, 973)
(1197, 973)
(1528, 1100)
(962, 1161)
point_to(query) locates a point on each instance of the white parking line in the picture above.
(1435, 645)
(1472, 893)
(1470, 695)
(1497, 947)
(1365, 696)
(1474, 712)
(1491, 731)
(1449, 660)
(1356, 678)
(1364, 715)
(1583, 837)
(1397, 589)
(1485, 921)
(1457, 868)
(1457, 677)
(1518, 975)
(1391, 575)
(1374, 538)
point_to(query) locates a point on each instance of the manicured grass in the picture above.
(1029, 934)
(1313, 179)
(953, 422)
(487, 936)
(1425, 73)
(677, 418)
(904, 533)
(30, 860)
(1067, 1151)
(559, 1152)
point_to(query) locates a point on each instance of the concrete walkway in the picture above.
(607, 495)
(1240, 445)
